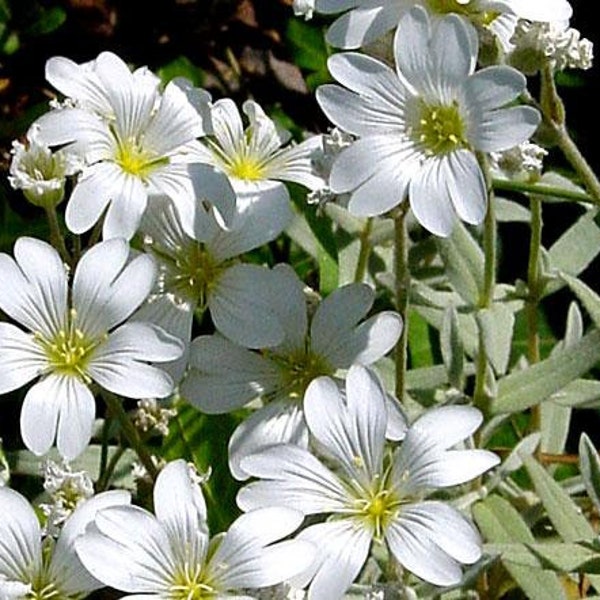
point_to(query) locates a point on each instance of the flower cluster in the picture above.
(195, 312)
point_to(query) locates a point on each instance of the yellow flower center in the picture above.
(378, 509)
(135, 160)
(247, 168)
(467, 8)
(300, 368)
(188, 584)
(69, 352)
(439, 129)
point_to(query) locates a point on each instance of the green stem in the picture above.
(505, 185)
(533, 298)
(56, 237)
(130, 432)
(365, 251)
(486, 298)
(489, 240)
(104, 479)
(554, 117)
(402, 283)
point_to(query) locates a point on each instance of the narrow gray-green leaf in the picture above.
(583, 393)
(526, 447)
(453, 353)
(564, 514)
(586, 296)
(555, 425)
(497, 323)
(528, 387)
(589, 465)
(464, 263)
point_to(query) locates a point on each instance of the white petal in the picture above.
(117, 364)
(227, 125)
(340, 311)
(125, 212)
(505, 128)
(39, 414)
(261, 220)
(67, 125)
(128, 550)
(224, 376)
(251, 557)
(368, 342)
(21, 359)
(278, 422)
(77, 82)
(493, 87)
(412, 547)
(76, 417)
(542, 10)
(104, 295)
(180, 507)
(65, 565)
(467, 186)
(241, 306)
(351, 432)
(362, 25)
(20, 535)
(412, 47)
(430, 198)
(291, 476)
(91, 196)
(342, 549)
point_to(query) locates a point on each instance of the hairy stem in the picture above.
(402, 284)
(365, 251)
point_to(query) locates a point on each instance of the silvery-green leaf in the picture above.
(464, 263)
(564, 514)
(500, 522)
(509, 211)
(522, 389)
(526, 447)
(589, 465)
(574, 250)
(555, 556)
(587, 296)
(497, 324)
(581, 393)
(453, 353)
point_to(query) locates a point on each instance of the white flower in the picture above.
(420, 127)
(372, 495)
(223, 376)
(304, 8)
(535, 44)
(73, 337)
(203, 272)
(170, 555)
(259, 158)
(134, 139)
(521, 163)
(39, 172)
(67, 490)
(32, 566)
(365, 21)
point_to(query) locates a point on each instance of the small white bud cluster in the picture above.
(39, 172)
(67, 489)
(333, 143)
(555, 42)
(304, 8)
(521, 163)
(150, 416)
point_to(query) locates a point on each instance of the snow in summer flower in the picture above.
(204, 272)
(134, 139)
(169, 554)
(75, 335)
(372, 494)
(34, 566)
(224, 376)
(421, 126)
(364, 21)
(259, 158)
(40, 173)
